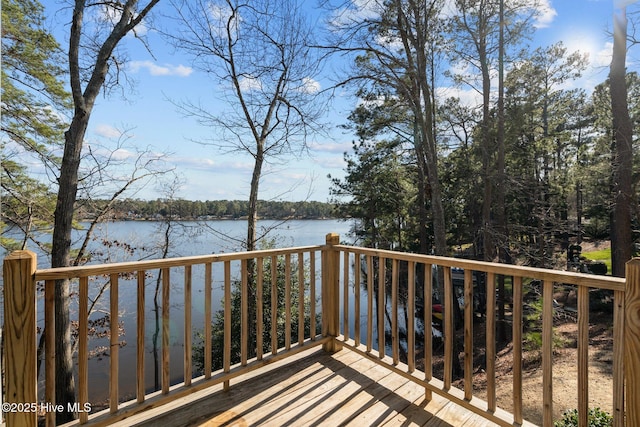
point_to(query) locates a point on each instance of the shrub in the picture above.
(597, 418)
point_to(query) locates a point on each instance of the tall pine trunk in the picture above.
(621, 240)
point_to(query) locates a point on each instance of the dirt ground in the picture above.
(564, 370)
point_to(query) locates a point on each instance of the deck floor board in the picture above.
(317, 389)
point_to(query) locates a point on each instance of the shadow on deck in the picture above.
(316, 388)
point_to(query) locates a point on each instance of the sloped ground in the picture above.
(565, 372)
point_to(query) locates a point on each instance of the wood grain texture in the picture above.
(312, 292)
(301, 298)
(517, 349)
(632, 342)
(20, 335)
(50, 349)
(547, 353)
(208, 279)
(140, 342)
(491, 342)
(259, 307)
(166, 329)
(336, 271)
(114, 344)
(83, 348)
(583, 356)
(187, 372)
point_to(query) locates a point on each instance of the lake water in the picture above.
(132, 240)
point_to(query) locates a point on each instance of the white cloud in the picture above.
(468, 97)
(158, 70)
(111, 14)
(249, 83)
(355, 11)
(331, 163)
(107, 131)
(602, 57)
(545, 14)
(122, 154)
(309, 85)
(330, 147)
(199, 163)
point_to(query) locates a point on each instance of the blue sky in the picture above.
(207, 173)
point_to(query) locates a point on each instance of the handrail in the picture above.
(61, 273)
(381, 274)
(569, 277)
(386, 277)
(288, 266)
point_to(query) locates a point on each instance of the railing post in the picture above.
(632, 343)
(20, 339)
(331, 292)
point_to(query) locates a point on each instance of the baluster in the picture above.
(369, 303)
(226, 355)
(381, 306)
(140, 297)
(583, 354)
(187, 325)
(411, 334)
(166, 281)
(356, 298)
(345, 298)
(274, 305)
(287, 301)
(468, 335)
(312, 292)
(244, 312)
(517, 348)
(428, 329)
(491, 341)
(259, 307)
(394, 312)
(300, 298)
(207, 319)
(49, 349)
(547, 352)
(83, 351)
(114, 343)
(449, 332)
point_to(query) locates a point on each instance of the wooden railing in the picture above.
(284, 267)
(351, 279)
(380, 273)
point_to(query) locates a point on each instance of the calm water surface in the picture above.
(132, 240)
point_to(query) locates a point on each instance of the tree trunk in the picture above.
(423, 193)
(501, 210)
(252, 215)
(621, 241)
(68, 182)
(488, 244)
(60, 256)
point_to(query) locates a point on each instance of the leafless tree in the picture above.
(93, 66)
(263, 71)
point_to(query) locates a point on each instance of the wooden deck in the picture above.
(317, 389)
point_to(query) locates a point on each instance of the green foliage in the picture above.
(379, 190)
(597, 418)
(209, 209)
(603, 255)
(33, 102)
(32, 80)
(280, 315)
(532, 336)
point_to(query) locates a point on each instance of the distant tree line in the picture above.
(209, 209)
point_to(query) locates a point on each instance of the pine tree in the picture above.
(34, 101)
